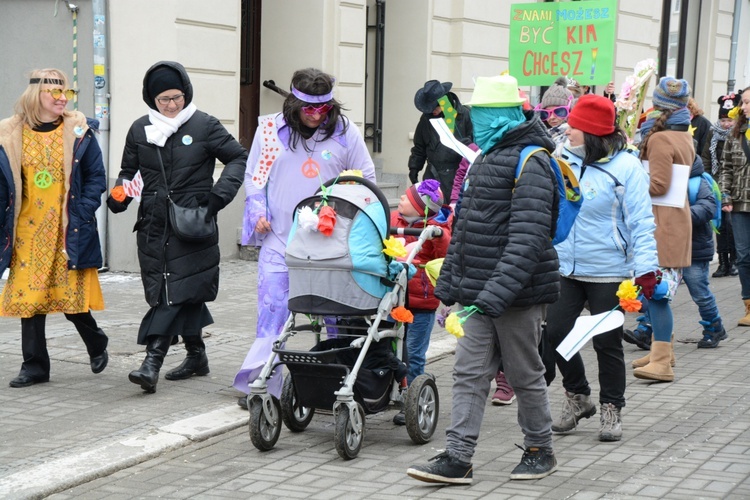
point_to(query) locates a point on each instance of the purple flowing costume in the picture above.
(289, 182)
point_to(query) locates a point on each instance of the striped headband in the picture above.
(48, 81)
(315, 99)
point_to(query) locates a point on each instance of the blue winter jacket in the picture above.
(613, 235)
(87, 179)
(701, 212)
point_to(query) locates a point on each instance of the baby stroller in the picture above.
(346, 284)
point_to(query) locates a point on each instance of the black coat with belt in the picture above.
(188, 271)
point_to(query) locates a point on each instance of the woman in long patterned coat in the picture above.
(51, 181)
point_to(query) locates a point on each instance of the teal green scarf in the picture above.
(491, 124)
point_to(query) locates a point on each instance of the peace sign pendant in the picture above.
(310, 168)
(43, 179)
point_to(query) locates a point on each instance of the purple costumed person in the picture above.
(293, 153)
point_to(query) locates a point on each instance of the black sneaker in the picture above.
(399, 418)
(445, 469)
(713, 333)
(638, 337)
(535, 464)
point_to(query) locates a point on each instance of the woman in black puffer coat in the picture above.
(177, 142)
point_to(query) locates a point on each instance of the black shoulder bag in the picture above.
(189, 224)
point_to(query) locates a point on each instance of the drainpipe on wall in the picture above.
(731, 82)
(101, 105)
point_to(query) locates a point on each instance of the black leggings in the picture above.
(561, 317)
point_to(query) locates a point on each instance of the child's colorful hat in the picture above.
(426, 197)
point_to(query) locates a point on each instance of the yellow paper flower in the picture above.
(432, 268)
(453, 325)
(734, 113)
(394, 248)
(627, 290)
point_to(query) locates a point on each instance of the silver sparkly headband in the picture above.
(48, 81)
(315, 99)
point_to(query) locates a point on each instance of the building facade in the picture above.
(379, 51)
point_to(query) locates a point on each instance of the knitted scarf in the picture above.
(678, 117)
(720, 134)
(162, 127)
(491, 124)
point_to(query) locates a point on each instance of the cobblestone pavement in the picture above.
(99, 436)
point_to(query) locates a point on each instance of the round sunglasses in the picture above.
(58, 93)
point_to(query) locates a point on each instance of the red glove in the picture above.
(648, 282)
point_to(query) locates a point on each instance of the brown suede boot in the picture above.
(659, 368)
(745, 321)
(638, 363)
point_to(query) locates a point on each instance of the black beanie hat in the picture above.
(163, 78)
(166, 72)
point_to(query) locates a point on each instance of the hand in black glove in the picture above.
(202, 199)
(215, 203)
(118, 206)
(414, 176)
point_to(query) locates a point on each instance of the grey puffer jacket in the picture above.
(501, 253)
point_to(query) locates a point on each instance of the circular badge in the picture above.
(78, 131)
(187, 140)
(43, 179)
(326, 154)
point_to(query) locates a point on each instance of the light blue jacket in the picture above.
(613, 235)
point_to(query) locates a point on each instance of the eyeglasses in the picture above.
(320, 110)
(165, 100)
(559, 111)
(58, 93)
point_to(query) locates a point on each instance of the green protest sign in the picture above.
(573, 39)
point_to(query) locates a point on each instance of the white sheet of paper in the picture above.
(677, 193)
(448, 140)
(585, 329)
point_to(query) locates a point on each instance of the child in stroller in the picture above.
(341, 279)
(421, 205)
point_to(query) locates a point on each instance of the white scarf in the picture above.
(162, 126)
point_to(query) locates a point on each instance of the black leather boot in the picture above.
(94, 337)
(195, 362)
(723, 269)
(148, 374)
(36, 365)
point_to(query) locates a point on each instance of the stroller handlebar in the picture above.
(435, 232)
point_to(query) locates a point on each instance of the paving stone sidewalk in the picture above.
(99, 436)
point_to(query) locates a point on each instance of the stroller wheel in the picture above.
(265, 421)
(421, 408)
(350, 431)
(295, 416)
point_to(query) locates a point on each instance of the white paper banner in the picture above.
(585, 328)
(448, 140)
